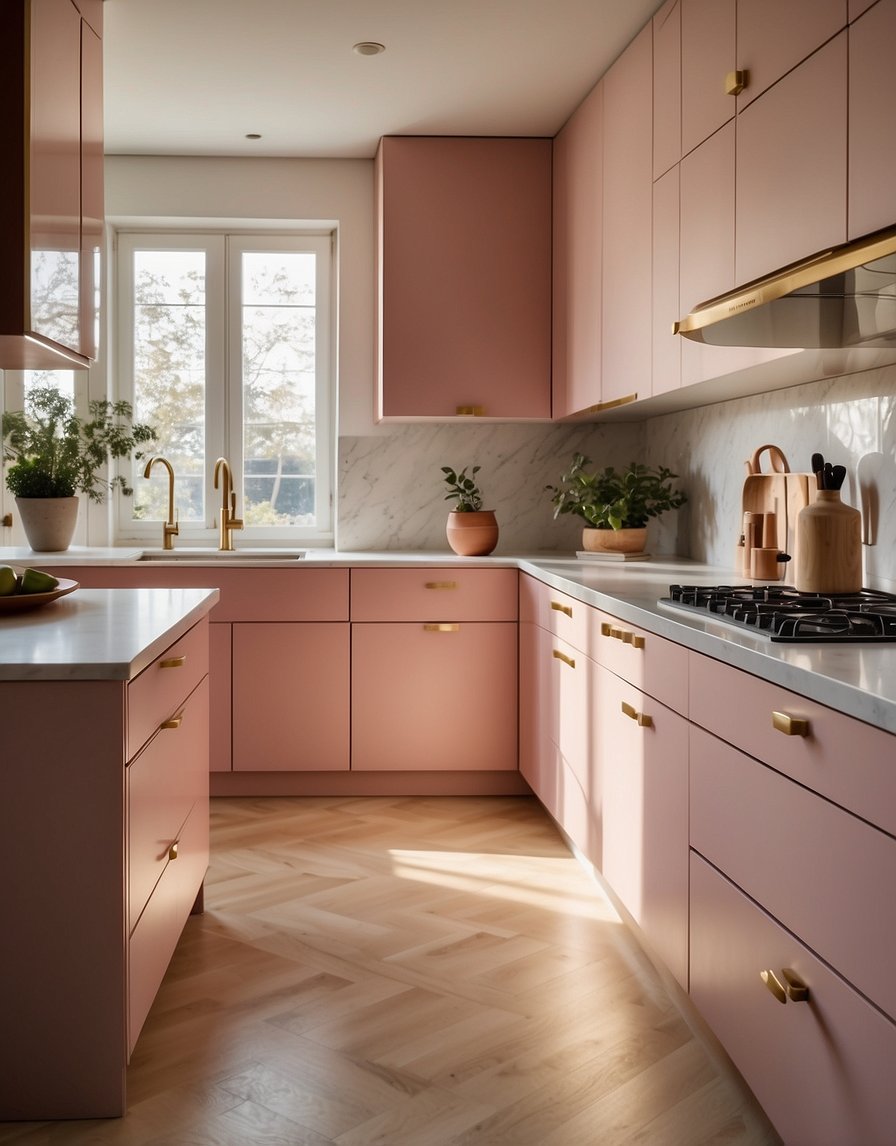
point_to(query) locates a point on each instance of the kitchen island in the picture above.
(103, 832)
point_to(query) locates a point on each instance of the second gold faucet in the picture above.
(228, 520)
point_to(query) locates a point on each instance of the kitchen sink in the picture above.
(225, 557)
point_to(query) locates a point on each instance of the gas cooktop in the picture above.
(788, 616)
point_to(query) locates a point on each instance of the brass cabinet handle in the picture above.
(772, 982)
(632, 713)
(440, 585)
(172, 851)
(632, 639)
(470, 411)
(790, 725)
(174, 722)
(796, 989)
(736, 81)
(557, 655)
(560, 608)
(605, 629)
(173, 663)
(434, 628)
(625, 635)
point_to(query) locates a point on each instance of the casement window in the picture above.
(225, 347)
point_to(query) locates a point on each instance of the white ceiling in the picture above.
(193, 77)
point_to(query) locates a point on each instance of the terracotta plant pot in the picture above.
(473, 534)
(614, 540)
(49, 522)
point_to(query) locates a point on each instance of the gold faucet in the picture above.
(169, 529)
(229, 520)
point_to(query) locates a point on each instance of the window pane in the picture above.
(170, 375)
(279, 378)
(61, 380)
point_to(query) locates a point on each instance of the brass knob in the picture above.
(173, 663)
(172, 851)
(174, 722)
(790, 725)
(736, 81)
(796, 989)
(771, 981)
(632, 713)
(470, 411)
(557, 655)
(443, 628)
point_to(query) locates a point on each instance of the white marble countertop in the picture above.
(97, 634)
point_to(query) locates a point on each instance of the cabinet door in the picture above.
(628, 212)
(822, 1069)
(708, 30)
(666, 302)
(772, 38)
(872, 125)
(465, 277)
(791, 166)
(643, 750)
(92, 200)
(578, 191)
(290, 697)
(434, 696)
(666, 87)
(220, 683)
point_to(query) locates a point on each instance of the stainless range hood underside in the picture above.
(844, 297)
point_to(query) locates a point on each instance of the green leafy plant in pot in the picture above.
(615, 505)
(55, 455)
(472, 531)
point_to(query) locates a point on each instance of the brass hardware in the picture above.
(228, 520)
(616, 634)
(174, 722)
(599, 407)
(771, 981)
(642, 718)
(470, 411)
(605, 629)
(170, 529)
(172, 851)
(790, 725)
(432, 628)
(632, 639)
(796, 989)
(735, 82)
(557, 655)
(173, 663)
(440, 585)
(7, 520)
(558, 608)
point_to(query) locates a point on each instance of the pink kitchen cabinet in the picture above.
(577, 259)
(666, 360)
(627, 215)
(464, 277)
(857, 7)
(708, 31)
(666, 87)
(872, 125)
(791, 166)
(290, 697)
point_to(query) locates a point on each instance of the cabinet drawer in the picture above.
(822, 1069)
(164, 782)
(435, 594)
(155, 937)
(557, 612)
(160, 689)
(825, 874)
(651, 663)
(842, 758)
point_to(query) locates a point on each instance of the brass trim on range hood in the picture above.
(843, 297)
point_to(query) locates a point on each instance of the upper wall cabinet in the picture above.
(666, 87)
(708, 29)
(464, 277)
(872, 124)
(52, 210)
(578, 193)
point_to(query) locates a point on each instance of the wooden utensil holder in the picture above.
(829, 546)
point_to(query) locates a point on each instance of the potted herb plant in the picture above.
(55, 455)
(615, 504)
(472, 531)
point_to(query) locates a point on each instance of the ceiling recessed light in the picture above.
(368, 48)
(253, 135)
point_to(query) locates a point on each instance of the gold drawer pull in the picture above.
(470, 411)
(173, 663)
(558, 656)
(441, 585)
(772, 982)
(559, 608)
(605, 629)
(431, 628)
(632, 713)
(172, 851)
(735, 82)
(632, 639)
(796, 989)
(790, 725)
(174, 722)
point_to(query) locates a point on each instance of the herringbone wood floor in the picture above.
(410, 972)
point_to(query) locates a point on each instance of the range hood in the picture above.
(843, 297)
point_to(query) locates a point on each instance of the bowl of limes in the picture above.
(22, 589)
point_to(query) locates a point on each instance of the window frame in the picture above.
(223, 360)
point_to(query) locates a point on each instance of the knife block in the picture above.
(829, 546)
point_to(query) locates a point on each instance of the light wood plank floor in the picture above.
(410, 972)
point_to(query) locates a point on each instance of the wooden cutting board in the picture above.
(778, 491)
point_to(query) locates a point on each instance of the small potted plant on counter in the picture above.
(56, 455)
(472, 531)
(615, 504)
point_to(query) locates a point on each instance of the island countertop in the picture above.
(98, 634)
